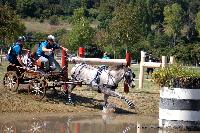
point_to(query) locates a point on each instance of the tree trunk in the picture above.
(174, 39)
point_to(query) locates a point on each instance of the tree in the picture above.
(10, 25)
(27, 8)
(173, 21)
(78, 15)
(197, 22)
(81, 33)
(155, 14)
(127, 27)
(11, 3)
(105, 14)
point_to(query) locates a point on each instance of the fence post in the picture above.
(139, 128)
(81, 52)
(172, 60)
(141, 75)
(77, 128)
(128, 58)
(164, 61)
(65, 67)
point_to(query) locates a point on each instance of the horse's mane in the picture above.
(116, 67)
(111, 68)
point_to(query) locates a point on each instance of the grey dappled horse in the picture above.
(102, 79)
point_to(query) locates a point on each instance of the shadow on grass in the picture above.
(122, 111)
(57, 97)
(145, 92)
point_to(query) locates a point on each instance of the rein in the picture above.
(75, 76)
(109, 77)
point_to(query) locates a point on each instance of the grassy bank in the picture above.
(44, 27)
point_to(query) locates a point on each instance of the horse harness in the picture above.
(75, 76)
(97, 76)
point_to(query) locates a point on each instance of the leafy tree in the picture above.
(197, 21)
(195, 53)
(53, 20)
(191, 8)
(78, 15)
(128, 26)
(105, 14)
(27, 8)
(101, 39)
(173, 21)
(155, 14)
(11, 3)
(10, 25)
(61, 36)
(81, 33)
(58, 33)
(39, 8)
(93, 13)
(55, 9)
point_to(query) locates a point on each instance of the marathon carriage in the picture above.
(38, 81)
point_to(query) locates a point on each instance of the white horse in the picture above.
(103, 80)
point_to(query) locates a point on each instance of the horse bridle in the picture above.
(127, 76)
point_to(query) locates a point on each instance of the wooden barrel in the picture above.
(179, 108)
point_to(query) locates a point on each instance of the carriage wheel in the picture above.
(11, 81)
(8, 128)
(35, 126)
(37, 89)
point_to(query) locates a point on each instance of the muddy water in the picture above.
(79, 123)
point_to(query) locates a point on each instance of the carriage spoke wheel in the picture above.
(8, 128)
(37, 89)
(36, 126)
(11, 81)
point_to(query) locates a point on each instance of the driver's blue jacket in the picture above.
(45, 44)
(13, 52)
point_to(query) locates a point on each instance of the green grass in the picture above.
(3, 68)
(148, 85)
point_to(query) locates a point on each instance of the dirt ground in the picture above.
(146, 103)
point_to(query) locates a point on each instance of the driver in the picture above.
(48, 60)
(15, 52)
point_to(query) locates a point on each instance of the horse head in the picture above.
(129, 77)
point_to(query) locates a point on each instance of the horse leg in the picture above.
(70, 89)
(105, 99)
(109, 92)
(147, 73)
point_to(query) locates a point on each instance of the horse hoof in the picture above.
(132, 106)
(70, 103)
(133, 86)
(108, 110)
(110, 105)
